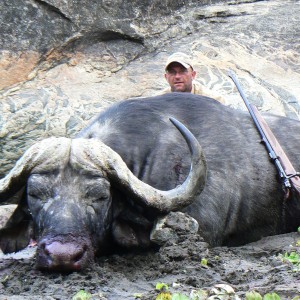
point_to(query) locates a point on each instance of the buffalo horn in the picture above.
(96, 155)
(41, 157)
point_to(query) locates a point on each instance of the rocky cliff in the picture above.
(61, 62)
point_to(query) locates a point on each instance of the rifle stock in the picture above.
(287, 172)
(287, 166)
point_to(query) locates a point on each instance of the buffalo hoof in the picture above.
(63, 256)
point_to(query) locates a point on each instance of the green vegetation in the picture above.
(180, 297)
(137, 295)
(164, 293)
(162, 287)
(82, 295)
(204, 262)
(256, 296)
(292, 258)
(253, 295)
(219, 291)
(271, 296)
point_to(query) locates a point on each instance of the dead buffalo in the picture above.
(105, 188)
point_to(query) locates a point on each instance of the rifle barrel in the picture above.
(254, 113)
(231, 74)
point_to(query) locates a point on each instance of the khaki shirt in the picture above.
(199, 89)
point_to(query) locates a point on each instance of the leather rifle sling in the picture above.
(282, 157)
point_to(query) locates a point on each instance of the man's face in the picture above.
(179, 78)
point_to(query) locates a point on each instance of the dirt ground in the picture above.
(258, 266)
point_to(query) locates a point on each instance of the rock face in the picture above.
(50, 31)
(62, 62)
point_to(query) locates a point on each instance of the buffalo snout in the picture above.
(55, 255)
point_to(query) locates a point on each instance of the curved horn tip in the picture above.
(180, 126)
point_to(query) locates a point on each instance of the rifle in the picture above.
(289, 177)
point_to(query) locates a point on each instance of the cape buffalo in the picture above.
(105, 188)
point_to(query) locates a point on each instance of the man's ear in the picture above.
(194, 74)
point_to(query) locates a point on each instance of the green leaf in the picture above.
(161, 286)
(293, 257)
(177, 296)
(163, 296)
(204, 262)
(271, 296)
(82, 295)
(253, 296)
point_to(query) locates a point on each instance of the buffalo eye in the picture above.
(38, 187)
(38, 192)
(96, 190)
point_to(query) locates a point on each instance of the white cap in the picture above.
(180, 58)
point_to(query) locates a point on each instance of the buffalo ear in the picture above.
(12, 188)
(16, 197)
(16, 238)
(18, 230)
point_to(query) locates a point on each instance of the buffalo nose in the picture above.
(67, 256)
